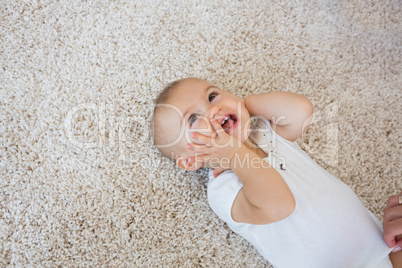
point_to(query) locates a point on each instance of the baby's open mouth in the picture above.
(229, 122)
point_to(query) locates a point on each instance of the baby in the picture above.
(263, 185)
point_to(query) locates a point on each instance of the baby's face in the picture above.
(193, 103)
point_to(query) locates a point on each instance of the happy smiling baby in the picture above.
(295, 213)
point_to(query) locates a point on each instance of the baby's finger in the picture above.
(201, 139)
(195, 146)
(217, 127)
(201, 149)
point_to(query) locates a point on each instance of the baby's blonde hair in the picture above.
(157, 131)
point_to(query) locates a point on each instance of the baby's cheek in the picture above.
(202, 126)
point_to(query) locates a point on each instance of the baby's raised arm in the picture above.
(290, 113)
(265, 196)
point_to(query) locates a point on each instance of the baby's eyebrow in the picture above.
(211, 86)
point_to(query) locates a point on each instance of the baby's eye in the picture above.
(212, 96)
(192, 118)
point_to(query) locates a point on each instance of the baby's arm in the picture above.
(290, 113)
(265, 196)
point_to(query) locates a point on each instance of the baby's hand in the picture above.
(217, 150)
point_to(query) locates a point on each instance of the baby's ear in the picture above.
(185, 164)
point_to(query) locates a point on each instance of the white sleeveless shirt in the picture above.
(329, 227)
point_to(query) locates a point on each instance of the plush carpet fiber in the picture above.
(81, 183)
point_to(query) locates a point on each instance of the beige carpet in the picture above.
(81, 183)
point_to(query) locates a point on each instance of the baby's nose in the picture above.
(213, 111)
